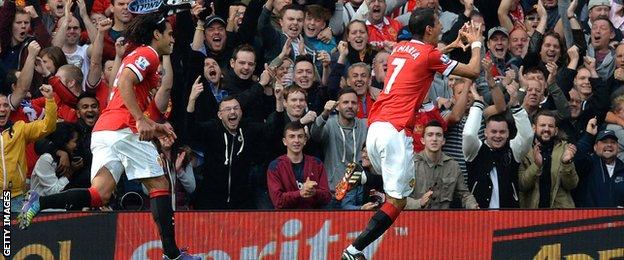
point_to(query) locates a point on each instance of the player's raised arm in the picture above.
(472, 34)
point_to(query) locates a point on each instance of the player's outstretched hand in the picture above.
(471, 32)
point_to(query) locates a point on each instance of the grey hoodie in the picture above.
(338, 145)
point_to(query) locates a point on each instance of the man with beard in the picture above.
(493, 164)
(297, 180)
(341, 137)
(439, 179)
(547, 174)
(358, 78)
(601, 173)
(228, 145)
(67, 37)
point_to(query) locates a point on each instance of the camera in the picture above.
(207, 11)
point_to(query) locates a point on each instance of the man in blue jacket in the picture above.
(601, 173)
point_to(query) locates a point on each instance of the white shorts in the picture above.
(392, 154)
(122, 150)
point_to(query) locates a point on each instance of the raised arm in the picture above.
(120, 49)
(470, 135)
(198, 36)
(503, 15)
(38, 129)
(61, 31)
(521, 144)
(95, 66)
(86, 20)
(164, 92)
(25, 77)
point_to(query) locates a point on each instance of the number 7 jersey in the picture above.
(411, 68)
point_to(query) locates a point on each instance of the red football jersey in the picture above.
(411, 68)
(143, 61)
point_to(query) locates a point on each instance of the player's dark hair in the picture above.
(141, 29)
(419, 20)
(292, 126)
(346, 90)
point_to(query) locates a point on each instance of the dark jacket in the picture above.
(596, 188)
(256, 106)
(224, 182)
(283, 187)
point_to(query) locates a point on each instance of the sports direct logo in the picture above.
(288, 244)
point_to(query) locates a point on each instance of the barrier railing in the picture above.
(479, 234)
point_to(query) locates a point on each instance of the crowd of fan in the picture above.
(269, 101)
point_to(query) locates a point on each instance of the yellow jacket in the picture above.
(13, 148)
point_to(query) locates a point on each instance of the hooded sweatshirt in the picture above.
(341, 145)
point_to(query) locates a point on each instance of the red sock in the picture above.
(390, 210)
(96, 200)
(158, 192)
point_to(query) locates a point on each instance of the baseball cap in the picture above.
(497, 29)
(213, 18)
(604, 134)
(593, 3)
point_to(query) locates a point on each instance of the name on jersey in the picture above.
(407, 49)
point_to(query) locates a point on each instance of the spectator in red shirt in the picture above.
(382, 30)
(295, 180)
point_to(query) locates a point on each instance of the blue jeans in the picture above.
(17, 203)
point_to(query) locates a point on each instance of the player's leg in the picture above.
(102, 187)
(162, 212)
(142, 161)
(391, 153)
(105, 172)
